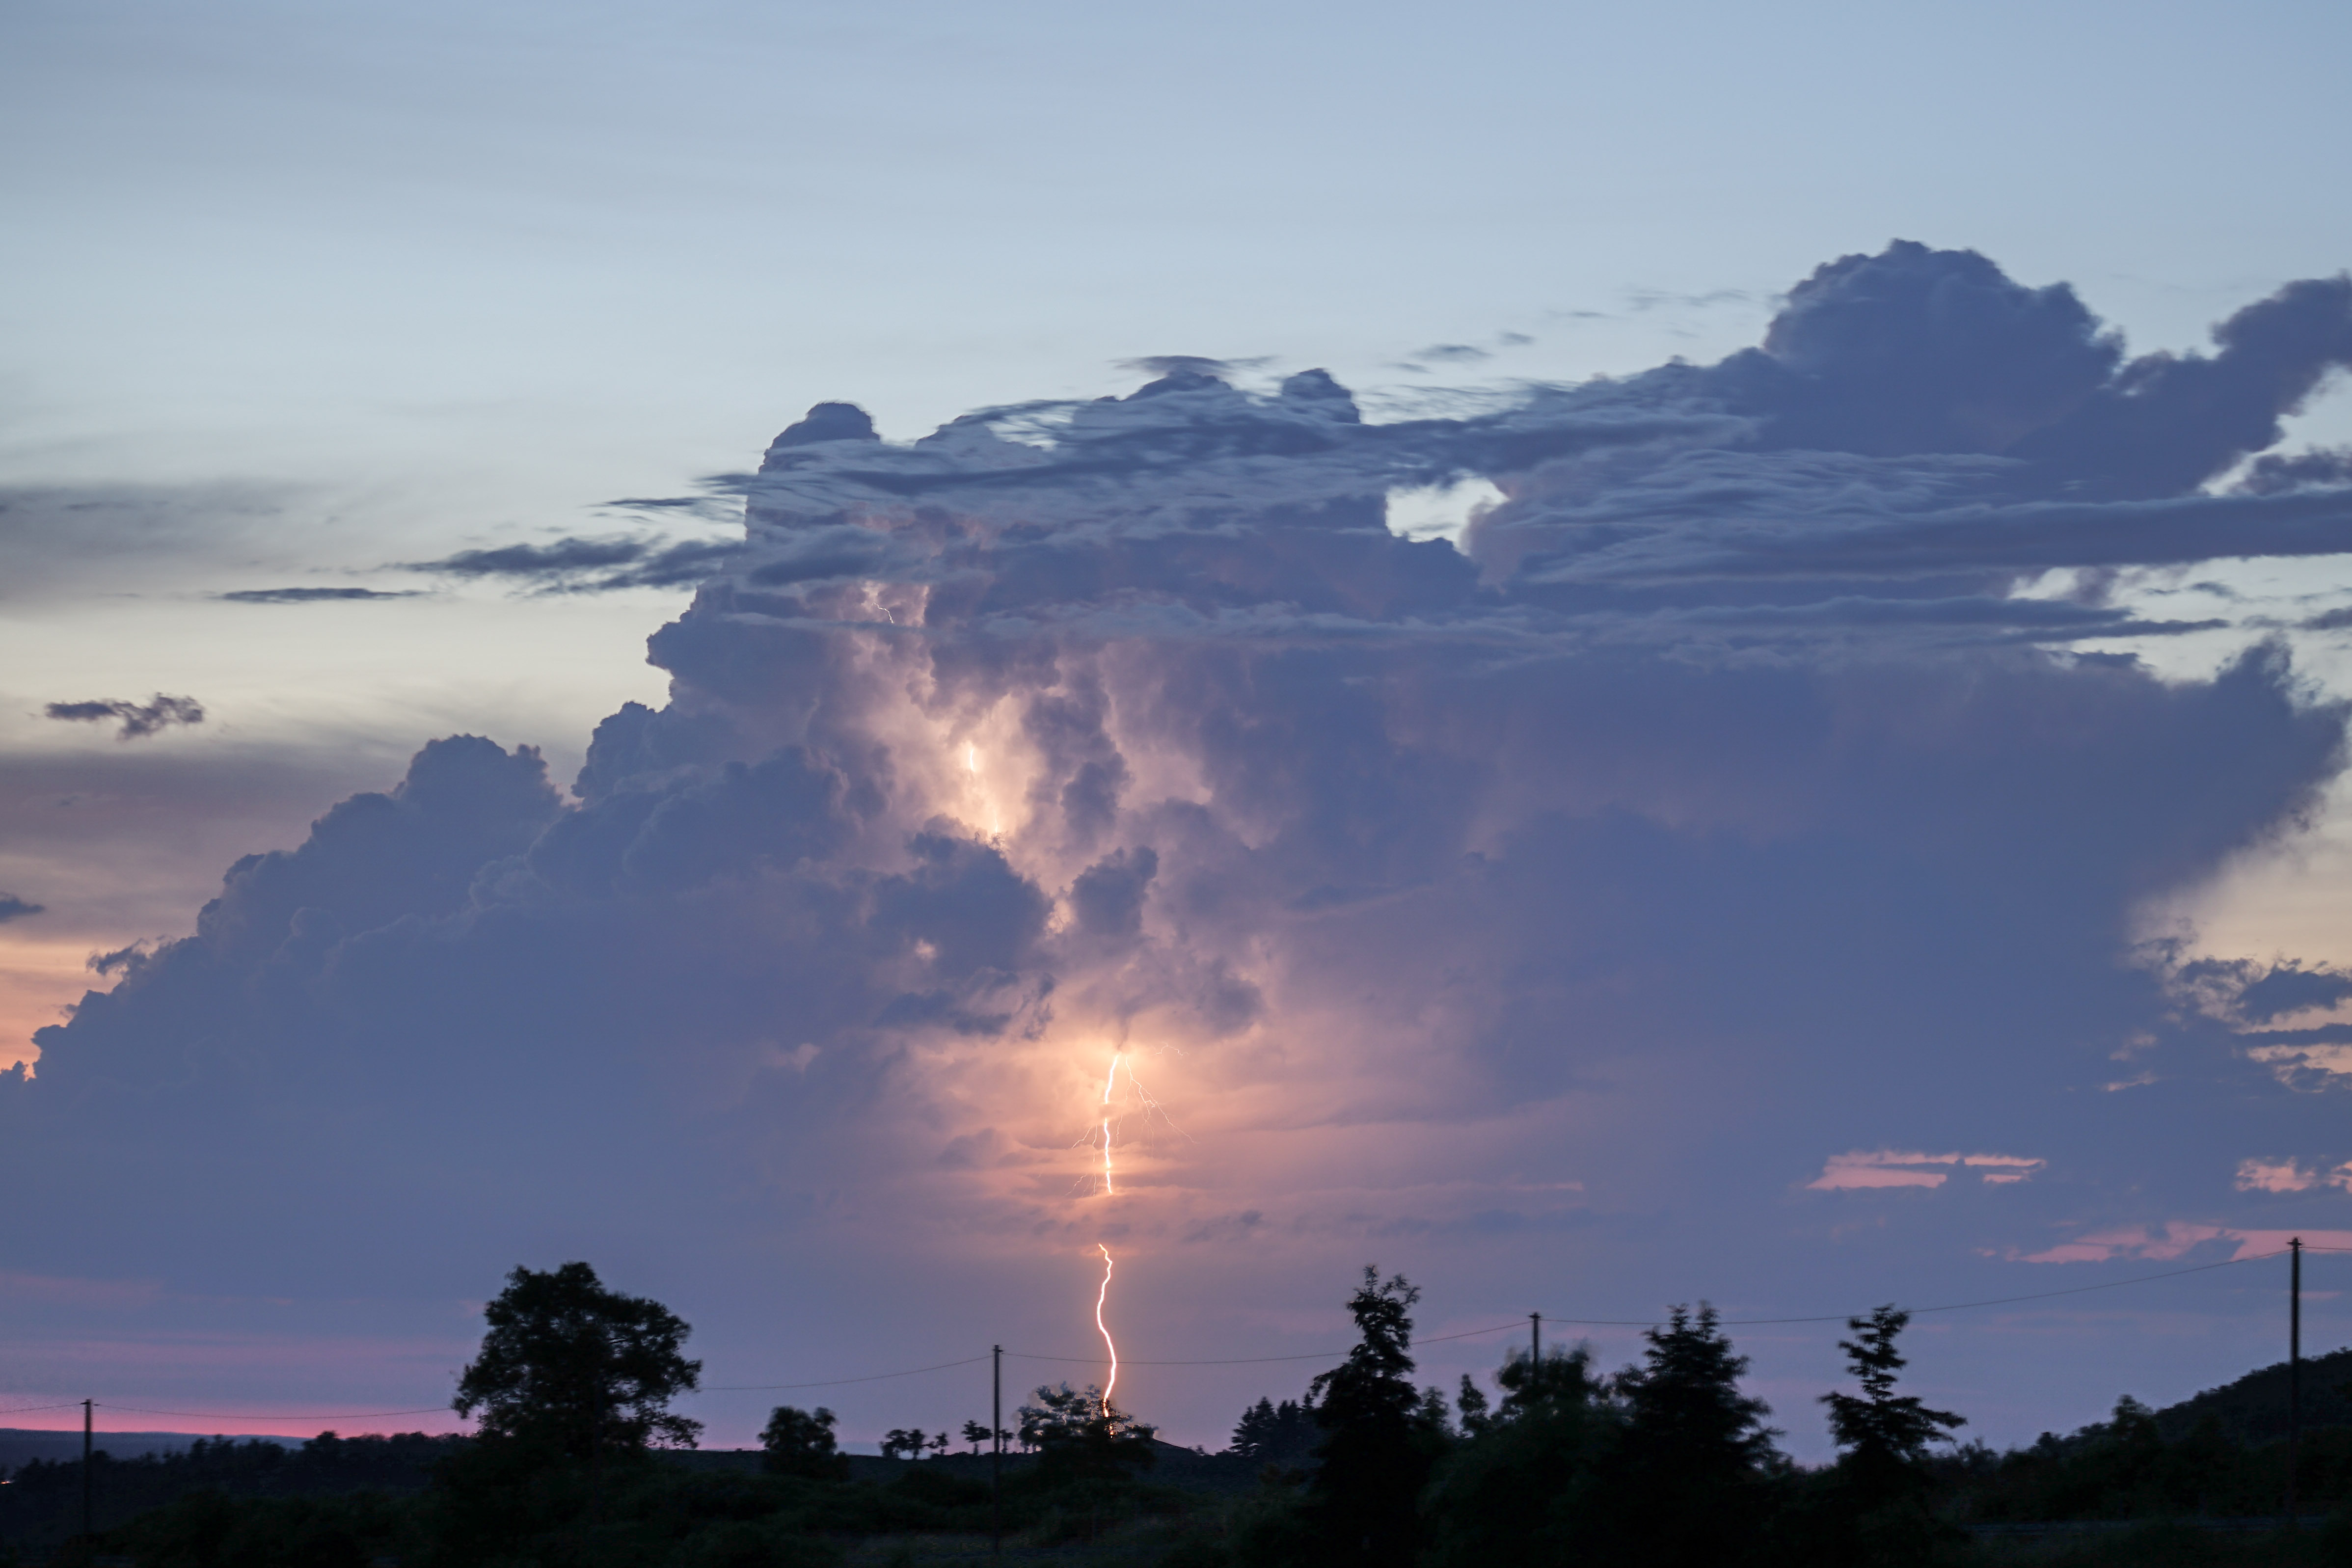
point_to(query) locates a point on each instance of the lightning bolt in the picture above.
(1110, 1189)
(1111, 1078)
(1100, 1296)
(1105, 1128)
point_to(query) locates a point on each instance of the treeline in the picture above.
(1664, 1463)
(574, 1466)
(2127, 1468)
(42, 1501)
(1667, 1461)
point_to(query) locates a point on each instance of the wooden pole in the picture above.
(2293, 1370)
(996, 1450)
(88, 1420)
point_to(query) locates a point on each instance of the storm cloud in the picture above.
(138, 719)
(572, 565)
(1719, 811)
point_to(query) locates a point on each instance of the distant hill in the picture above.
(2253, 1408)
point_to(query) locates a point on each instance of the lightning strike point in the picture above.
(1100, 1296)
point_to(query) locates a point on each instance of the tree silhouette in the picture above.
(578, 1369)
(1685, 1481)
(800, 1443)
(1079, 1437)
(904, 1443)
(1523, 1468)
(1884, 1435)
(1380, 1440)
(1284, 1433)
(1683, 1409)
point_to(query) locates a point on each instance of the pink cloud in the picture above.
(1864, 1168)
(2261, 1176)
(2258, 1176)
(2176, 1239)
(2285, 1061)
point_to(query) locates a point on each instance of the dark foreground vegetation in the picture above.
(580, 1464)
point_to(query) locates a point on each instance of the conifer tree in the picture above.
(1884, 1435)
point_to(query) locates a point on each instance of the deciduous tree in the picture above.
(801, 1443)
(578, 1370)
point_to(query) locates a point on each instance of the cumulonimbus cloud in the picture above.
(1718, 794)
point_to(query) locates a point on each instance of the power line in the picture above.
(21, 1409)
(835, 1382)
(1728, 1323)
(1949, 1307)
(1257, 1360)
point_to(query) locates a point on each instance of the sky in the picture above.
(1619, 654)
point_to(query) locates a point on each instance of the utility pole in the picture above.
(87, 1408)
(996, 1450)
(2293, 1370)
(1535, 1341)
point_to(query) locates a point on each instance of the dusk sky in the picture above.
(1619, 655)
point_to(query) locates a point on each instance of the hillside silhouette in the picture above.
(2252, 1409)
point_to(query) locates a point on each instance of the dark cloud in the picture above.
(574, 565)
(2324, 467)
(1720, 808)
(2260, 993)
(13, 908)
(706, 507)
(310, 595)
(139, 718)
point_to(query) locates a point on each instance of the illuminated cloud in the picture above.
(1891, 1168)
(2178, 1239)
(2275, 1176)
(2309, 1064)
(2259, 1175)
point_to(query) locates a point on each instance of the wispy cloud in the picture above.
(312, 596)
(576, 566)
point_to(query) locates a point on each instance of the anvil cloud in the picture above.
(1718, 813)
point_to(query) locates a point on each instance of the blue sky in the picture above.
(307, 295)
